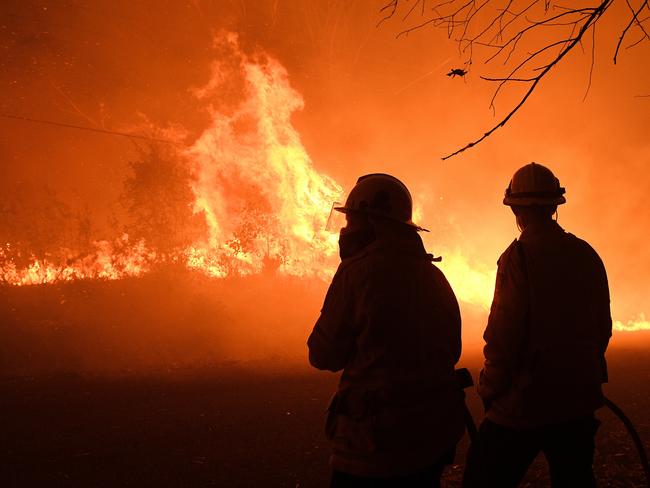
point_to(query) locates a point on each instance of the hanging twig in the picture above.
(503, 28)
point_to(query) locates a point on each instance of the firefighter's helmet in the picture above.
(534, 184)
(381, 195)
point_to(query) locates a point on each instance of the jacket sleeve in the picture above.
(605, 315)
(332, 341)
(604, 318)
(504, 334)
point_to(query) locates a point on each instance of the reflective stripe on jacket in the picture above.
(547, 332)
(392, 323)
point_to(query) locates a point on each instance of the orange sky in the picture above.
(372, 103)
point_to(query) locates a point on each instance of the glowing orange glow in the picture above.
(265, 205)
(473, 284)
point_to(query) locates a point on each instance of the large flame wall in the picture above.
(276, 122)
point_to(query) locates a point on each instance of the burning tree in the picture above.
(494, 30)
(159, 199)
(36, 224)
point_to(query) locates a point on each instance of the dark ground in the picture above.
(230, 426)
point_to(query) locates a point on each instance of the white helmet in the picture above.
(381, 195)
(534, 184)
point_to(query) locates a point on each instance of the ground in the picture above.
(234, 424)
(101, 389)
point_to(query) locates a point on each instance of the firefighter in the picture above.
(391, 322)
(545, 342)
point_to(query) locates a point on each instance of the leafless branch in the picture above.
(498, 30)
(413, 8)
(593, 18)
(633, 20)
(391, 7)
(511, 76)
(593, 60)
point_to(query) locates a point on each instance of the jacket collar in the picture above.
(408, 242)
(541, 228)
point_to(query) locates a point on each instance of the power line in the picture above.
(90, 129)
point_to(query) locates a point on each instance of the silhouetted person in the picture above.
(391, 322)
(546, 337)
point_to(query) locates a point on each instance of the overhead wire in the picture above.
(90, 129)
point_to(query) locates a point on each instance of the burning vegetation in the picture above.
(241, 199)
(244, 196)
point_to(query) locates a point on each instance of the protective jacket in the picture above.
(547, 332)
(391, 321)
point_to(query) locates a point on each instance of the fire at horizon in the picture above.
(265, 205)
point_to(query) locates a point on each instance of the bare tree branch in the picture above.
(594, 17)
(502, 27)
(593, 60)
(393, 4)
(633, 20)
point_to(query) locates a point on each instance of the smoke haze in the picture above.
(360, 101)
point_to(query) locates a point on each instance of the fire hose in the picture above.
(464, 380)
(633, 434)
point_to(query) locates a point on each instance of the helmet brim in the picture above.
(530, 201)
(410, 223)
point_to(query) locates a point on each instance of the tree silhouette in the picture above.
(34, 222)
(493, 30)
(159, 199)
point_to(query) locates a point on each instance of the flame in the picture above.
(109, 261)
(472, 283)
(639, 323)
(265, 205)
